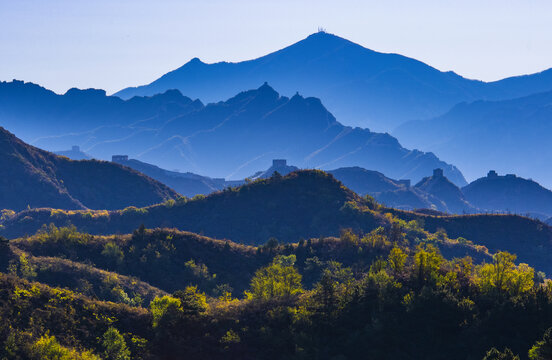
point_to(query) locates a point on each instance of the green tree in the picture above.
(113, 252)
(495, 354)
(48, 348)
(165, 310)
(22, 267)
(542, 350)
(279, 279)
(397, 259)
(503, 276)
(427, 262)
(192, 301)
(115, 345)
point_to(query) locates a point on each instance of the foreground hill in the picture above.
(35, 178)
(529, 239)
(510, 136)
(360, 86)
(389, 294)
(171, 131)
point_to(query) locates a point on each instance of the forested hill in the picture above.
(35, 178)
(301, 205)
(165, 294)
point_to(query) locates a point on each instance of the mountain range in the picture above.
(509, 136)
(36, 178)
(360, 86)
(230, 139)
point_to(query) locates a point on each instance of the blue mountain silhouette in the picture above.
(231, 139)
(359, 86)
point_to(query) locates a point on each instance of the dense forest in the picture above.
(166, 294)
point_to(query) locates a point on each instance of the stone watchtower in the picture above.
(279, 163)
(438, 173)
(119, 158)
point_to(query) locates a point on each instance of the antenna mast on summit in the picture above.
(321, 29)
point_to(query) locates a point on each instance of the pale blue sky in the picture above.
(112, 44)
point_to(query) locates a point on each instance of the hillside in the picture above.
(186, 184)
(365, 182)
(449, 195)
(509, 193)
(529, 239)
(360, 86)
(301, 205)
(348, 297)
(509, 136)
(171, 131)
(35, 178)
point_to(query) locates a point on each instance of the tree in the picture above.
(22, 267)
(503, 276)
(165, 310)
(397, 259)
(113, 252)
(427, 262)
(279, 279)
(542, 350)
(48, 348)
(495, 354)
(192, 301)
(115, 345)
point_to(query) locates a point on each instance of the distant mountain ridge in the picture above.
(360, 86)
(510, 136)
(230, 139)
(509, 193)
(36, 178)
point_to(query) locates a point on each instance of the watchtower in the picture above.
(438, 173)
(279, 162)
(119, 158)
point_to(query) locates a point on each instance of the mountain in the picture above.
(409, 198)
(360, 86)
(35, 178)
(510, 136)
(450, 196)
(509, 193)
(41, 117)
(230, 139)
(303, 204)
(433, 192)
(186, 184)
(367, 182)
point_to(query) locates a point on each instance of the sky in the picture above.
(112, 44)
